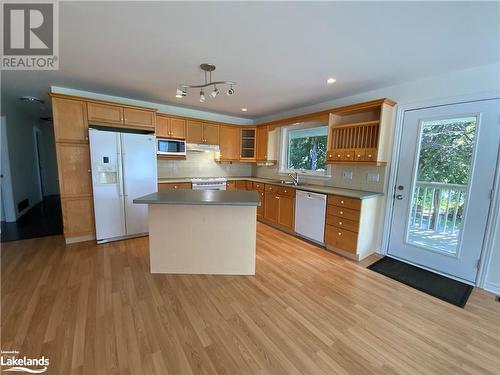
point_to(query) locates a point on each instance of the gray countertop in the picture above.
(360, 194)
(202, 197)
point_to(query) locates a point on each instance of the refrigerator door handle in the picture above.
(123, 167)
(120, 174)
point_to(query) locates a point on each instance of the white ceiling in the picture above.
(279, 53)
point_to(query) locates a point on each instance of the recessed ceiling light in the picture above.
(244, 109)
(331, 80)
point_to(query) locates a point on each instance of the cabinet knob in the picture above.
(340, 223)
(341, 212)
(125, 119)
(338, 155)
(175, 187)
(86, 138)
(359, 156)
(342, 202)
(340, 233)
(88, 170)
(370, 155)
(277, 197)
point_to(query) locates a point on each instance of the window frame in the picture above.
(283, 164)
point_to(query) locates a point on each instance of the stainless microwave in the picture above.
(165, 146)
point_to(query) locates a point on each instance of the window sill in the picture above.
(311, 176)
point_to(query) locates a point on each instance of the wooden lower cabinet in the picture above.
(78, 217)
(350, 225)
(279, 206)
(241, 185)
(174, 185)
(260, 209)
(271, 206)
(286, 211)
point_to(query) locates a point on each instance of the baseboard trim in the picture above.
(343, 253)
(492, 287)
(70, 240)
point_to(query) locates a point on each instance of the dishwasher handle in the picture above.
(309, 195)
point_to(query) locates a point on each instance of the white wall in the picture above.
(162, 108)
(493, 273)
(481, 79)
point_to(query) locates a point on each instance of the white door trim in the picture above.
(486, 252)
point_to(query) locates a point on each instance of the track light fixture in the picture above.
(208, 69)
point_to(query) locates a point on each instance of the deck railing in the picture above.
(438, 207)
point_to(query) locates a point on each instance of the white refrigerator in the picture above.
(123, 168)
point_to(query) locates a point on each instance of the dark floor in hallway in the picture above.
(44, 219)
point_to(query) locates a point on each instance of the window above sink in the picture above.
(303, 149)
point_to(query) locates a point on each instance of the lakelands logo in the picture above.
(30, 35)
(9, 360)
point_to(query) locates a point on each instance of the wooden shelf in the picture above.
(357, 124)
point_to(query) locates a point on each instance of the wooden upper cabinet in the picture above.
(169, 127)
(138, 118)
(211, 134)
(73, 161)
(178, 128)
(202, 132)
(104, 113)
(194, 131)
(261, 143)
(109, 114)
(70, 120)
(162, 126)
(247, 144)
(229, 143)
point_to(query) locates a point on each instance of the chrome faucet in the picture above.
(295, 178)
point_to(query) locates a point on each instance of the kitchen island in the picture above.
(202, 231)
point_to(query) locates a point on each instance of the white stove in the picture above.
(215, 183)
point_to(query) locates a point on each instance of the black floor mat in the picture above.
(438, 286)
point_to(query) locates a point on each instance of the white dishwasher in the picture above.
(310, 209)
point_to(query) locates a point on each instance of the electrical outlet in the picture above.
(347, 175)
(373, 177)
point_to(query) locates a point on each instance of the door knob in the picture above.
(399, 197)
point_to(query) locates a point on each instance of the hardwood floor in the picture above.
(97, 310)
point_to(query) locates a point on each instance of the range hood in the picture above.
(201, 147)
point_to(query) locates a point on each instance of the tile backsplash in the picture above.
(359, 180)
(201, 164)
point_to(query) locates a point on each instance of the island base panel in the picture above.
(202, 239)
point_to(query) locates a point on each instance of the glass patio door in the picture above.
(443, 187)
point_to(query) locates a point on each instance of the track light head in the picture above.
(180, 93)
(214, 93)
(202, 96)
(230, 91)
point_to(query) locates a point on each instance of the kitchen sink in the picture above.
(286, 182)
